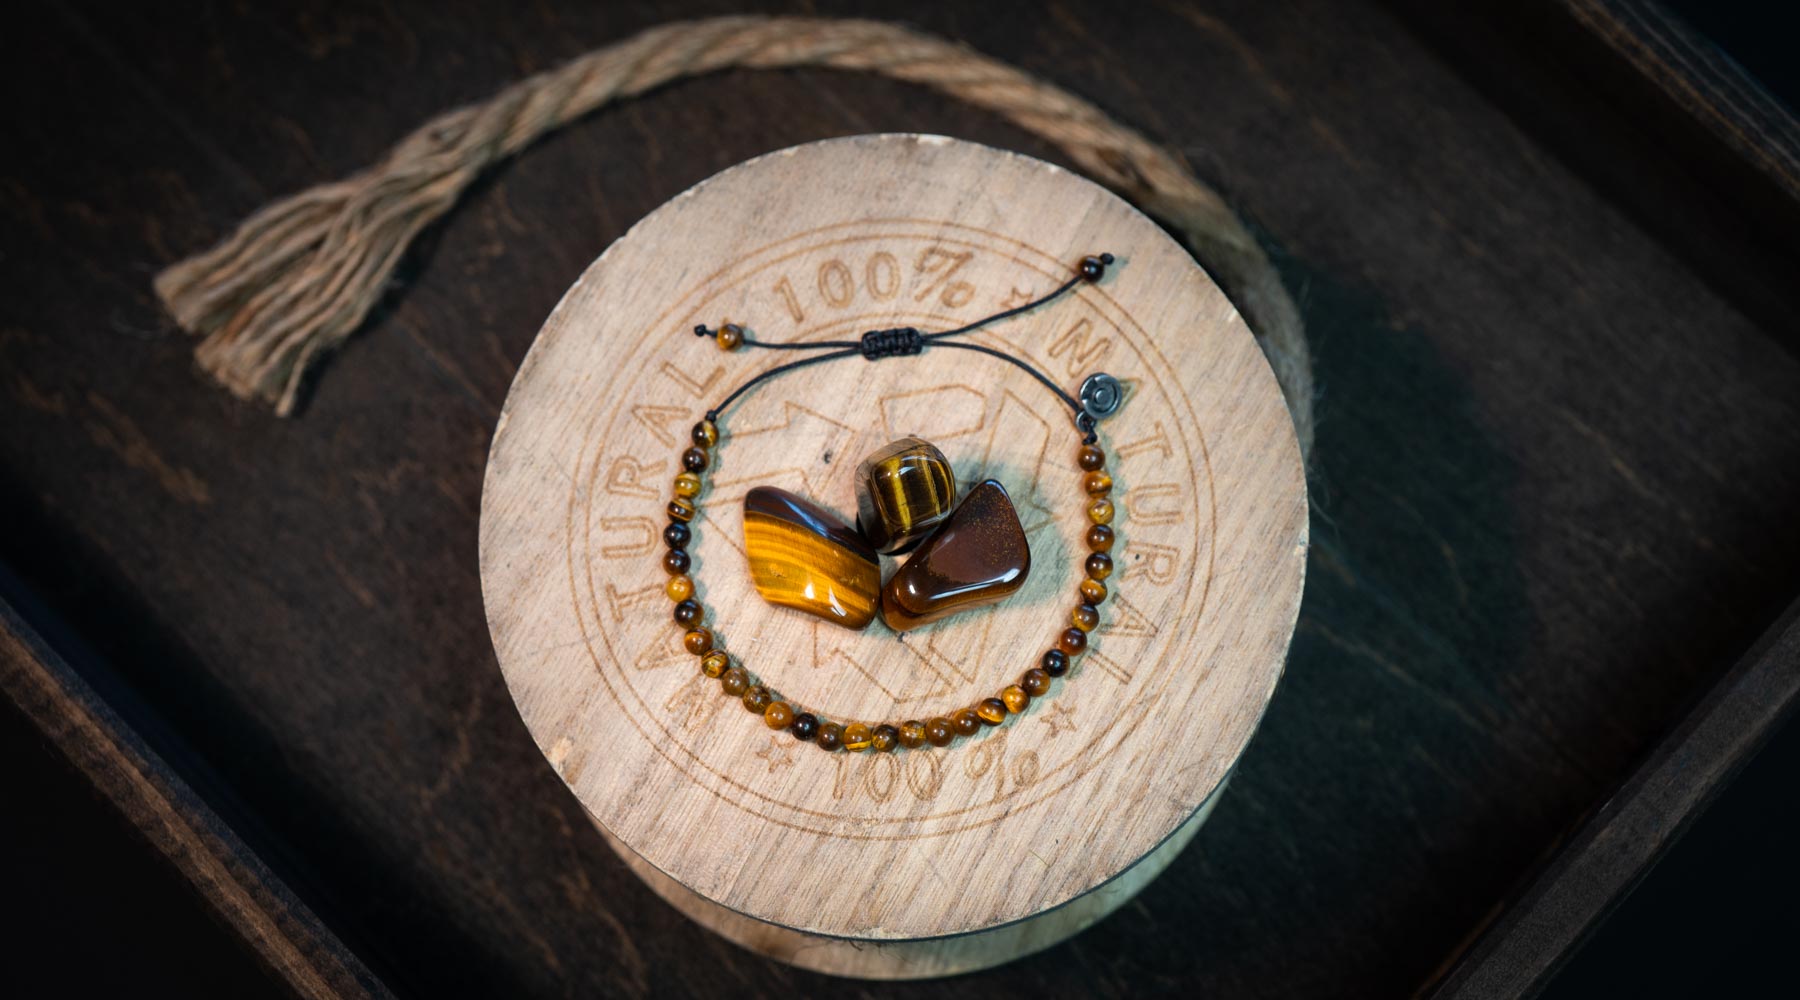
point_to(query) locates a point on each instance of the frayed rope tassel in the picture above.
(298, 277)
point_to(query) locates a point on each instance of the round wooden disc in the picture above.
(825, 241)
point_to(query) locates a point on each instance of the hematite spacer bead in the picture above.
(676, 535)
(830, 736)
(965, 722)
(805, 726)
(704, 435)
(1090, 458)
(991, 711)
(1036, 682)
(938, 732)
(1055, 663)
(676, 562)
(689, 612)
(694, 459)
(885, 738)
(1099, 565)
(912, 734)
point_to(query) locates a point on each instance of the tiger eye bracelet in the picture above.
(779, 713)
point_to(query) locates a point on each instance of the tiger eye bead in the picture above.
(694, 459)
(805, 727)
(676, 561)
(1099, 565)
(730, 336)
(1090, 458)
(779, 715)
(758, 698)
(1084, 617)
(912, 734)
(885, 739)
(1092, 591)
(687, 485)
(681, 510)
(830, 736)
(735, 682)
(1015, 698)
(939, 732)
(857, 737)
(679, 587)
(1072, 642)
(1097, 483)
(676, 535)
(689, 612)
(965, 722)
(1100, 511)
(1100, 538)
(715, 663)
(705, 434)
(991, 711)
(698, 641)
(1055, 663)
(1035, 682)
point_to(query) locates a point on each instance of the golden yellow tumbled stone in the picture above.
(903, 491)
(801, 556)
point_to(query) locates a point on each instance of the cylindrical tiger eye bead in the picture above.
(912, 734)
(1100, 538)
(679, 587)
(1092, 591)
(735, 682)
(1090, 457)
(698, 641)
(1035, 682)
(938, 732)
(1015, 698)
(805, 727)
(857, 737)
(676, 535)
(885, 739)
(758, 698)
(689, 612)
(779, 715)
(681, 510)
(1097, 483)
(1099, 565)
(676, 561)
(687, 485)
(830, 736)
(1100, 511)
(1084, 617)
(715, 663)
(705, 434)
(991, 711)
(1055, 663)
(694, 459)
(730, 336)
(1072, 642)
(965, 722)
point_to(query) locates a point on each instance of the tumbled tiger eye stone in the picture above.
(1100, 511)
(1015, 698)
(805, 727)
(676, 561)
(735, 681)
(1090, 457)
(1099, 565)
(977, 557)
(830, 736)
(884, 739)
(939, 732)
(694, 459)
(1055, 663)
(904, 490)
(801, 556)
(912, 734)
(965, 722)
(1097, 483)
(687, 485)
(1100, 538)
(857, 736)
(1035, 682)
(698, 641)
(688, 612)
(705, 434)
(1072, 641)
(758, 698)
(1092, 591)
(779, 715)
(1084, 617)
(991, 711)
(681, 510)
(679, 588)
(715, 663)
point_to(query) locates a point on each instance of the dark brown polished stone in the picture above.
(975, 558)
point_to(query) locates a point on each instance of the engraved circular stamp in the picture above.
(927, 233)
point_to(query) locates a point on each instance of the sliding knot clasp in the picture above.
(878, 344)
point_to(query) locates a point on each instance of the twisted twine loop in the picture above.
(301, 274)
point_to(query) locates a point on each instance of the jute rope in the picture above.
(300, 275)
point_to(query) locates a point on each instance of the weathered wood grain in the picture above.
(1555, 472)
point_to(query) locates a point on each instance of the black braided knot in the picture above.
(878, 344)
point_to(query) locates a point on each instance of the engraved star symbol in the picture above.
(778, 754)
(1060, 717)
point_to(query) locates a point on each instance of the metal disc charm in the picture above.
(1101, 394)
